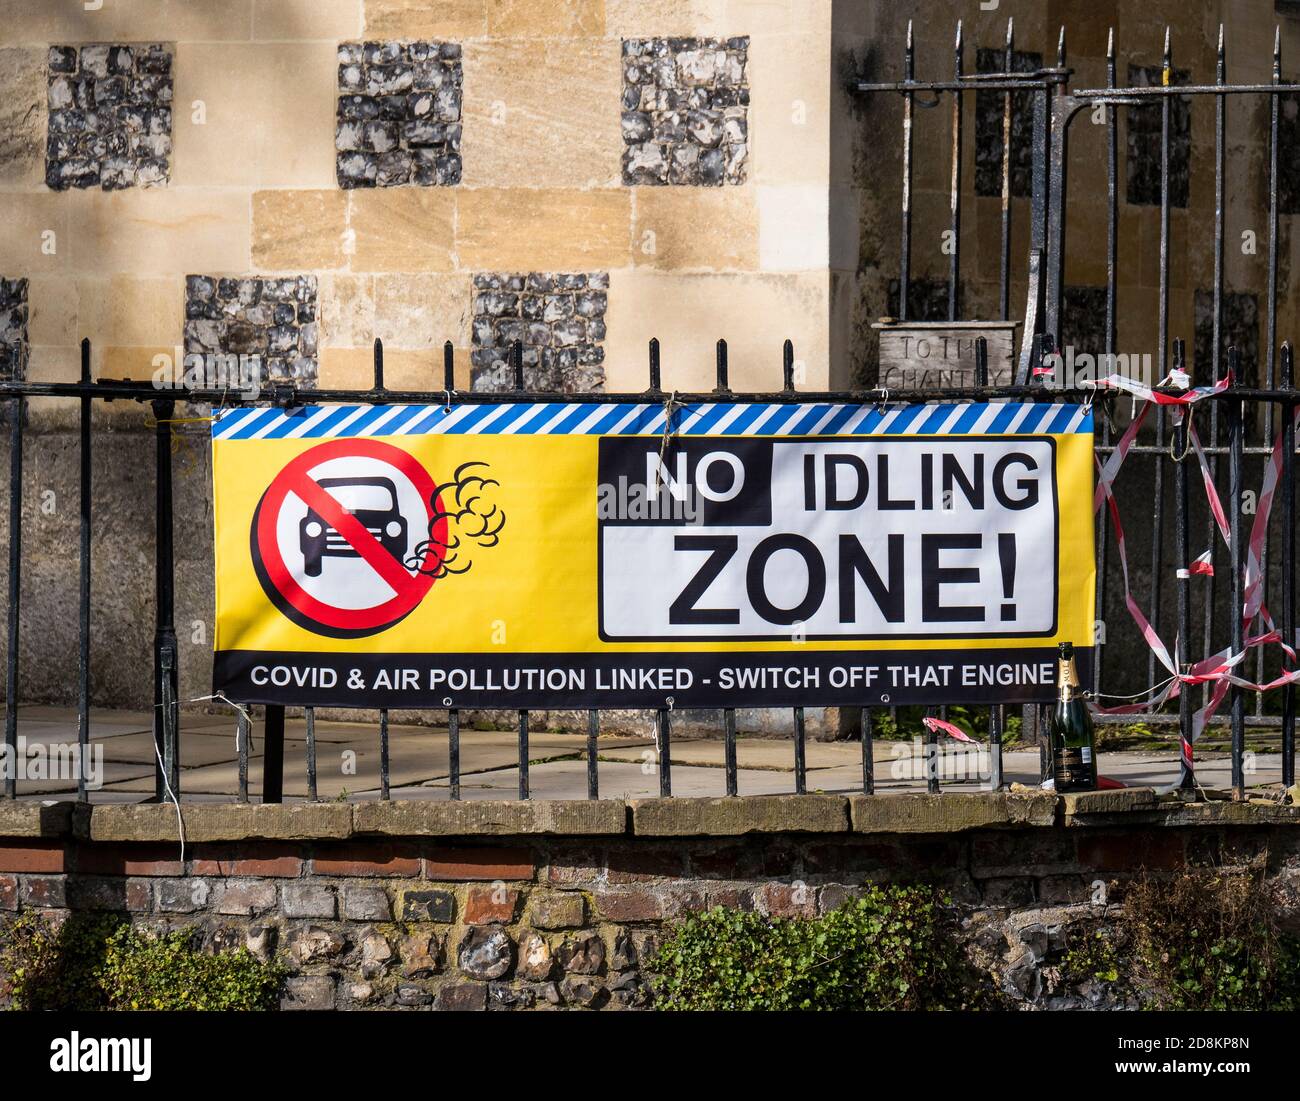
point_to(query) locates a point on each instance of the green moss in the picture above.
(1093, 955)
(94, 962)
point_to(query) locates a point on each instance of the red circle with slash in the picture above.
(285, 590)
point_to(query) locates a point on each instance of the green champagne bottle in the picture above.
(1074, 757)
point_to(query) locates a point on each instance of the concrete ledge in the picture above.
(676, 817)
(949, 813)
(731, 817)
(1202, 814)
(221, 822)
(1234, 814)
(1142, 807)
(1116, 801)
(36, 819)
(571, 817)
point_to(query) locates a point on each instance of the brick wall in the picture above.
(531, 918)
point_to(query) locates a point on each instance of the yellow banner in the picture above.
(589, 555)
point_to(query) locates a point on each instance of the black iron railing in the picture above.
(1227, 415)
(167, 723)
(1054, 108)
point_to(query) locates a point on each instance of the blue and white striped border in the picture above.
(707, 419)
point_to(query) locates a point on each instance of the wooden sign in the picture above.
(935, 355)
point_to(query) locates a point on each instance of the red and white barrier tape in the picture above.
(1150, 394)
(1217, 668)
(1207, 480)
(1144, 625)
(942, 726)
(1201, 566)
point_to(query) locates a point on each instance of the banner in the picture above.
(726, 554)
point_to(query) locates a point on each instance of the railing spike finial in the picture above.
(1169, 49)
(654, 364)
(517, 362)
(909, 35)
(1011, 30)
(957, 44)
(1220, 47)
(1277, 43)
(1060, 48)
(1110, 44)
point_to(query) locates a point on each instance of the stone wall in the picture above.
(545, 905)
(391, 158)
(866, 172)
(110, 116)
(395, 150)
(13, 328)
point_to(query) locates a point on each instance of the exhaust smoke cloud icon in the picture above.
(473, 522)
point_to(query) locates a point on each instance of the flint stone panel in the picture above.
(268, 325)
(685, 111)
(398, 121)
(110, 116)
(14, 344)
(559, 318)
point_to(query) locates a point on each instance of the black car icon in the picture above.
(373, 501)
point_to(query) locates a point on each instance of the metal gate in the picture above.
(1247, 427)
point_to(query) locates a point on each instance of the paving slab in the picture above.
(293, 728)
(113, 774)
(419, 766)
(751, 753)
(65, 729)
(568, 780)
(110, 716)
(1161, 769)
(138, 748)
(418, 756)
